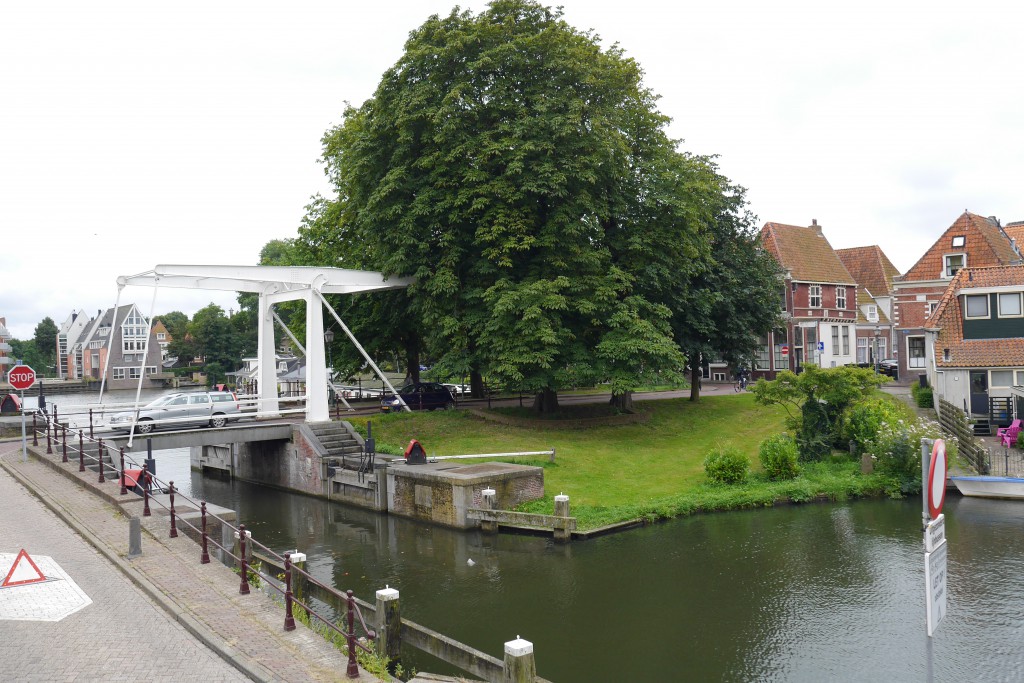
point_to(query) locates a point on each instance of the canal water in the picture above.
(797, 593)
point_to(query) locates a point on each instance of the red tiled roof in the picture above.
(805, 253)
(1015, 231)
(975, 353)
(985, 245)
(870, 267)
(863, 299)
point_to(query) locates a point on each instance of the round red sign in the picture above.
(21, 377)
(937, 479)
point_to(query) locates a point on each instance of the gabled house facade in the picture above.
(6, 362)
(818, 300)
(163, 338)
(975, 341)
(116, 341)
(874, 273)
(69, 348)
(972, 241)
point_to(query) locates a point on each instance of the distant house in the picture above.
(875, 274)
(972, 241)
(975, 340)
(5, 348)
(69, 346)
(163, 338)
(818, 300)
(117, 342)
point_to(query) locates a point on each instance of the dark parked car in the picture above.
(889, 367)
(419, 396)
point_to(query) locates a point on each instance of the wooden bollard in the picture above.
(490, 500)
(562, 533)
(519, 666)
(388, 623)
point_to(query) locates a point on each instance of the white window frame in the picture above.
(915, 362)
(150, 369)
(958, 241)
(161, 335)
(992, 376)
(967, 299)
(840, 296)
(946, 264)
(846, 340)
(872, 313)
(999, 304)
(119, 373)
(863, 350)
(835, 340)
(762, 357)
(1019, 378)
(814, 292)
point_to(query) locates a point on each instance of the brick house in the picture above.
(117, 343)
(819, 302)
(975, 342)
(69, 347)
(874, 273)
(971, 241)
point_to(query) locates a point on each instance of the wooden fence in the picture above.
(956, 423)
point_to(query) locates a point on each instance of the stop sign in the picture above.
(21, 377)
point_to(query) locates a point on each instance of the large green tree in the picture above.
(520, 171)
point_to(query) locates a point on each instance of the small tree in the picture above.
(816, 401)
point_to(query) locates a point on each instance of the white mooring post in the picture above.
(389, 623)
(519, 663)
(562, 510)
(490, 501)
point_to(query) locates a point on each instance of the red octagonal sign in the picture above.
(21, 377)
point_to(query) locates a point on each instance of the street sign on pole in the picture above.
(933, 486)
(785, 349)
(935, 585)
(821, 346)
(21, 377)
(936, 483)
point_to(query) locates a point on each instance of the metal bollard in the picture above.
(81, 453)
(289, 620)
(49, 445)
(174, 524)
(99, 456)
(124, 489)
(204, 558)
(353, 667)
(35, 430)
(91, 435)
(145, 494)
(64, 434)
(243, 588)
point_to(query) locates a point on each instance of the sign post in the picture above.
(933, 489)
(22, 377)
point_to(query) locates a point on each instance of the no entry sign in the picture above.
(21, 377)
(937, 479)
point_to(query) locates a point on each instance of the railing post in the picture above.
(91, 434)
(35, 430)
(563, 533)
(520, 666)
(49, 444)
(174, 524)
(389, 623)
(99, 456)
(64, 441)
(490, 499)
(124, 489)
(289, 620)
(145, 494)
(243, 588)
(353, 666)
(204, 558)
(81, 452)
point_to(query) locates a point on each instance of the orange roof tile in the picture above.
(805, 253)
(870, 267)
(985, 245)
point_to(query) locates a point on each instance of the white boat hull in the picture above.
(990, 487)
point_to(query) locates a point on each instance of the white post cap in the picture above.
(561, 498)
(488, 492)
(248, 534)
(297, 557)
(387, 594)
(518, 647)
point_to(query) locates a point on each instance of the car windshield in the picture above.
(159, 402)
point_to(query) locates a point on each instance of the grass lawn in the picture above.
(614, 473)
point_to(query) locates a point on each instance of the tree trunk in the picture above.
(546, 401)
(623, 401)
(412, 359)
(695, 374)
(476, 383)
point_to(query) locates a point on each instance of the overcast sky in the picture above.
(138, 133)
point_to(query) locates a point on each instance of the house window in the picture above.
(134, 373)
(846, 340)
(134, 332)
(976, 306)
(840, 297)
(815, 296)
(835, 340)
(150, 369)
(953, 263)
(946, 355)
(1001, 378)
(1009, 306)
(1020, 378)
(915, 352)
(882, 348)
(932, 305)
(958, 241)
(761, 360)
(118, 373)
(872, 313)
(781, 361)
(103, 331)
(863, 352)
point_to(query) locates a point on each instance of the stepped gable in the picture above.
(870, 267)
(985, 244)
(805, 253)
(975, 353)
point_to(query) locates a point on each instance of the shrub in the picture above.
(779, 457)
(1020, 440)
(896, 451)
(923, 398)
(727, 465)
(867, 417)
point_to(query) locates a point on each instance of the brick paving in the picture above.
(161, 616)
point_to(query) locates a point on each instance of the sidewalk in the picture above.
(161, 616)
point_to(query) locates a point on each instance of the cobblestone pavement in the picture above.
(161, 616)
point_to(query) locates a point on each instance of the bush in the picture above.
(1020, 440)
(867, 417)
(727, 465)
(896, 451)
(922, 395)
(779, 457)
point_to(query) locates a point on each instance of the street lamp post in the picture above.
(329, 337)
(878, 332)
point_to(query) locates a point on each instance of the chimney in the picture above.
(815, 227)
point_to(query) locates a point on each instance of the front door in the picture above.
(979, 392)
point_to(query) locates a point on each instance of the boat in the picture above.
(990, 487)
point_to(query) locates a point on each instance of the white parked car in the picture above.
(198, 409)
